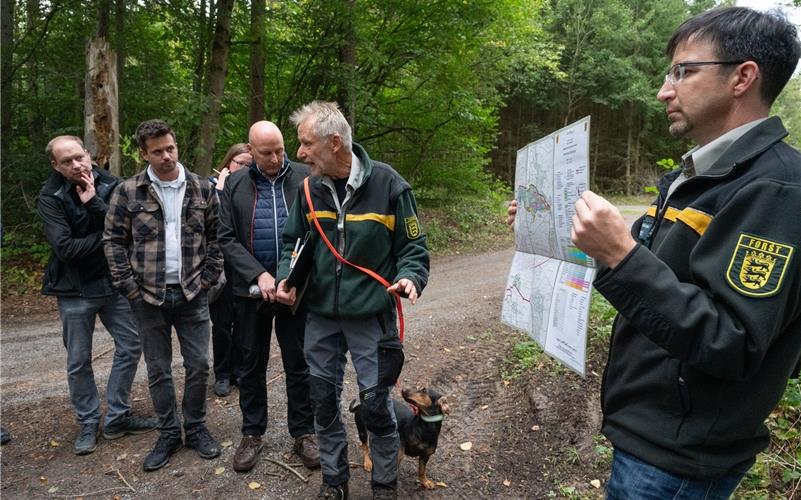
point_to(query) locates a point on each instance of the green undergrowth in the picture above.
(23, 256)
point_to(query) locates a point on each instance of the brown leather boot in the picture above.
(247, 454)
(306, 448)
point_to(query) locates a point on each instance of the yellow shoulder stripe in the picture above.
(696, 219)
(651, 211)
(387, 220)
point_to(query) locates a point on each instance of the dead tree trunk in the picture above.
(210, 118)
(101, 111)
(256, 87)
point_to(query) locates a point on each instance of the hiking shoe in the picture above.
(5, 436)
(86, 442)
(222, 388)
(306, 448)
(247, 454)
(130, 425)
(160, 455)
(201, 441)
(385, 494)
(329, 492)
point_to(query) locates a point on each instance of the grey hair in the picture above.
(327, 121)
(49, 147)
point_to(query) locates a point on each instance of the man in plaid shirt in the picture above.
(160, 240)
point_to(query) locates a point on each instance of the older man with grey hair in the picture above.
(368, 211)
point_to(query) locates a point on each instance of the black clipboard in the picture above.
(301, 264)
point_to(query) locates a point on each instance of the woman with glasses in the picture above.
(224, 335)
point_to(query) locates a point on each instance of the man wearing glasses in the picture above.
(709, 328)
(72, 205)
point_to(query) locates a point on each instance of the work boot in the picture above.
(385, 494)
(86, 442)
(306, 448)
(201, 441)
(247, 454)
(329, 492)
(160, 455)
(222, 388)
(130, 425)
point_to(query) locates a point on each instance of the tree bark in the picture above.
(101, 113)
(119, 45)
(256, 87)
(347, 60)
(6, 63)
(210, 118)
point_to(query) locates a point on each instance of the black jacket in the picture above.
(235, 233)
(77, 266)
(709, 328)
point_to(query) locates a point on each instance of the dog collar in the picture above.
(432, 418)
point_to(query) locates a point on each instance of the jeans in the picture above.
(225, 336)
(191, 322)
(255, 329)
(632, 478)
(78, 315)
(327, 341)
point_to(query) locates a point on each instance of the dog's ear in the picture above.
(443, 405)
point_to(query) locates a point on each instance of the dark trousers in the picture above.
(191, 322)
(255, 329)
(225, 336)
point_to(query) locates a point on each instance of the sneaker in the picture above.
(222, 388)
(247, 454)
(385, 494)
(201, 441)
(329, 492)
(86, 442)
(160, 455)
(130, 425)
(306, 448)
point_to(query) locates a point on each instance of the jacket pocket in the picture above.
(196, 215)
(145, 219)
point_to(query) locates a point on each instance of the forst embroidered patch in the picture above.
(412, 227)
(757, 266)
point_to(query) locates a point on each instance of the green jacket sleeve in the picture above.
(409, 243)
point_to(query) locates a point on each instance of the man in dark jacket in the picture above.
(368, 212)
(72, 205)
(255, 204)
(707, 284)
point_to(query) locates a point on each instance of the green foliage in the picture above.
(23, 255)
(788, 107)
(526, 355)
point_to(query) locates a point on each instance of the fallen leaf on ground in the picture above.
(226, 444)
(54, 443)
(466, 446)
(595, 483)
(441, 484)
(53, 489)
(535, 428)
(506, 482)
(484, 407)
(42, 479)
(254, 485)
(122, 457)
(219, 470)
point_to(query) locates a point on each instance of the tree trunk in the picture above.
(101, 113)
(6, 61)
(35, 120)
(256, 86)
(210, 118)
(119, 45)
(347, 61)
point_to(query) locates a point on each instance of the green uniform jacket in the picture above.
(376, 227)
(709, 328)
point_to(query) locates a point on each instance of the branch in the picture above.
(25, 59)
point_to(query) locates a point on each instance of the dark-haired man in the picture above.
(161, 244)
(707, 282)
(72, 205)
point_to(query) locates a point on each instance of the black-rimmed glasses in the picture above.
(676, 72)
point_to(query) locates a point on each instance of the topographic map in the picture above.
(550, 281)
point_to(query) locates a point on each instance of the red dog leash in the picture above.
(368, 272)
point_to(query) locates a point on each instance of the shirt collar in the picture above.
(704, 157)
(175, 184)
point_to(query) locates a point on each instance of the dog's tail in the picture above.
(354, 405)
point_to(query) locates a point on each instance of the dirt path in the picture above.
(532, 437)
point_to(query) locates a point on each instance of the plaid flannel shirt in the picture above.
(133, 239)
